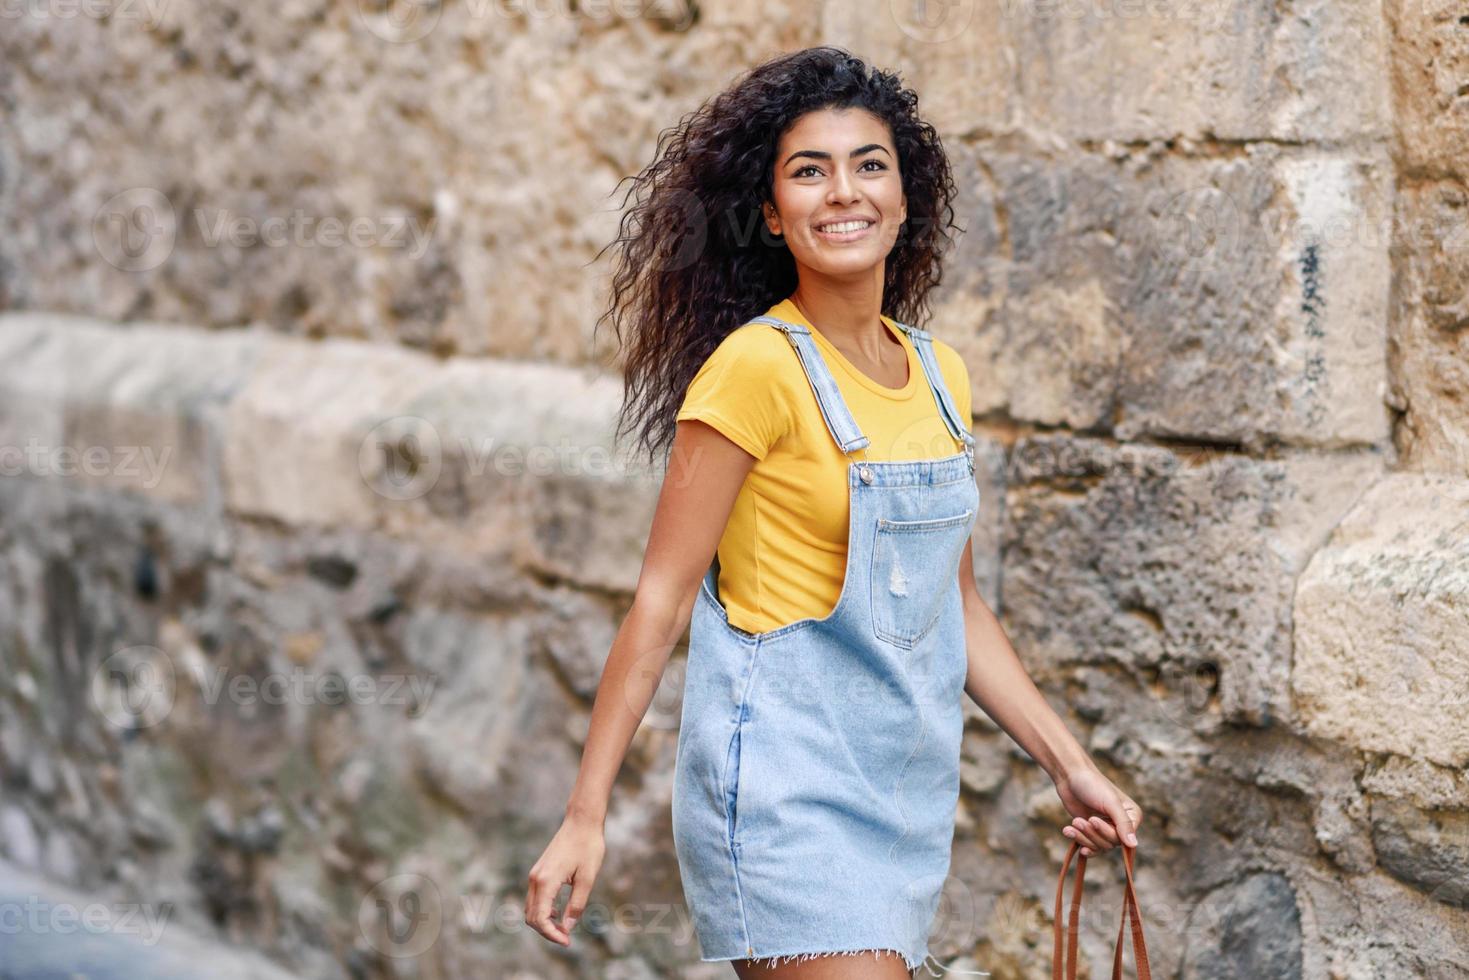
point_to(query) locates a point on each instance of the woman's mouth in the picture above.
(845, 231)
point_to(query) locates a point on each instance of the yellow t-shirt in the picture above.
(783, 554)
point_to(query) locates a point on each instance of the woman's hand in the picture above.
(1103, 815)
(574, 855)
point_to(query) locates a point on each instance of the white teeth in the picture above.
(844, 227)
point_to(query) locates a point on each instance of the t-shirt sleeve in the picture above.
(741, 390)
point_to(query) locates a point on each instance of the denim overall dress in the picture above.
(817, 766)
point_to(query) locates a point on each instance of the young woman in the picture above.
(812, 532)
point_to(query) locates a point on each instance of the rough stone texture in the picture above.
(1429, 68)
(1176, 568)
(1254, 930)
(1212, 294)
(139, 941)
(479, 146)
(1103, 291)
(1135, 71)
(1429, 349)
(1380, 616)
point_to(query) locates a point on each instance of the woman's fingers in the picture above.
(1071, 831)
(1094, 839)
(1103, 829)
(1098, 833)
(539, 901)
(581, 886)
(1083, 832)
(1134, 816)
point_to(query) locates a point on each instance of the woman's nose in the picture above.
(843, 187)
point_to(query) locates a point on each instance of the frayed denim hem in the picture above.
(774, 961)
(913, 967)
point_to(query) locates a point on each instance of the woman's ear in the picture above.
(772, 220)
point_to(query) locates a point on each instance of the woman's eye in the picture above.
(812, 166)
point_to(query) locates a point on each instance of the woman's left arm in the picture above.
(999, 684)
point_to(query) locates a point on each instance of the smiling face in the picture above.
(831, 166)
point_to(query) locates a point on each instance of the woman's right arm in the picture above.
(704, 475)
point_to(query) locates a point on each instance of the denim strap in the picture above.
(923, 343)
(834, 409)
(839, 420)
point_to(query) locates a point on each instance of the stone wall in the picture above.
(313, 540)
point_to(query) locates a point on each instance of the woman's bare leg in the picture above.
(878, 965)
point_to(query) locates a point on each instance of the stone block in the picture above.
(1380, 662)
(1134, 70)
(1429, 47)
(1428, 347)
(131, 409)
(1170, 565)
(1239, 298)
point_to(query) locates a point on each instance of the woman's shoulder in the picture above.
(745, 388)
(757, 350)
(758, 342)
(948, 357)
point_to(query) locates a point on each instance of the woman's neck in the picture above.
(853, 326)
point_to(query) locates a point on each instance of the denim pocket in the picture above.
(732, 783)
(914, 564)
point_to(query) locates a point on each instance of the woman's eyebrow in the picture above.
(823, 155)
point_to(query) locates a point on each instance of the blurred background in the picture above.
(314, 536)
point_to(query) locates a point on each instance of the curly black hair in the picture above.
(697, 260)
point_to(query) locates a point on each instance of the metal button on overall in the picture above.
(817, 767)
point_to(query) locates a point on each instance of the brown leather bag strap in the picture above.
(1131, 912)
